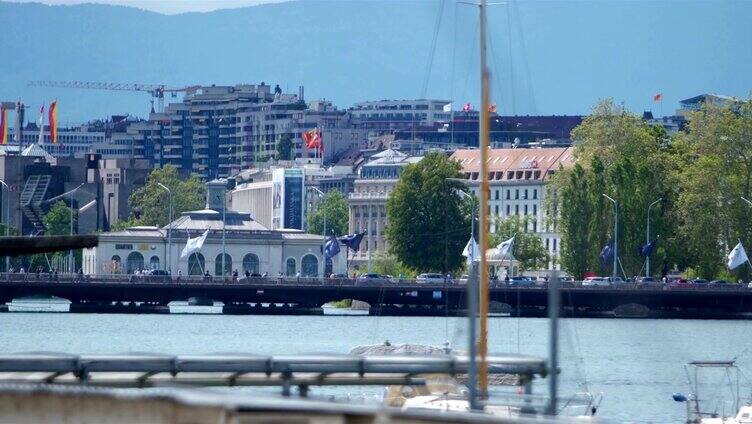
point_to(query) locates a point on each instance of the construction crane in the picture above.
(157, 91)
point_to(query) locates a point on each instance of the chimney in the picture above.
(300, 94)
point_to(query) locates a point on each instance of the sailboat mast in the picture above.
(484, 208)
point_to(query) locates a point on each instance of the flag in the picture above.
(467, 107)
(737, 256)
(331, 247)
(506, 247)
(492, 108)
(448, 107)
(40, 141)
(471, 250)
(352, 240)
(53, 121)
(647, 249)
(658, 97)
(194, 245)
(312, 139)
(3, 126)
(607, 253)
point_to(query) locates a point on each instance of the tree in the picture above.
(387, 264)
(285, 148)
(428, 226)
(334, 206)
(57, 221)
(576, 216)
(150, 204)
(528, 248)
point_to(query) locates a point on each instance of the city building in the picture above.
(249, 246)
(391, 115)
(694, 104)
(218, 130)
(275, 197)
(517, 180)
(367, 203)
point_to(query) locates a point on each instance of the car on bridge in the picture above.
(432, 278)
(372, 278)
(596, 281)
(520, 281)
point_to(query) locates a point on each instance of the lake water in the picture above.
(635, 364)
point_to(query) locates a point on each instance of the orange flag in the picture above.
(53, 121)
(658, 97)
(3, 126)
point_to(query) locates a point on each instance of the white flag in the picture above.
(506, 247)
(737, 256)
(194, 244)
(471, 250)
(448, 107)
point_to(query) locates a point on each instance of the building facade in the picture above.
(390, 115)
(367, 203)
(517, 180)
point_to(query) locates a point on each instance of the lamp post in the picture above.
(6, 200)
(323, 242)
(647, 237)
(71, 264)
(616, 232)
(472, 306)
(169, 231)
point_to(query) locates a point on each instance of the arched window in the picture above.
(116, 266)
(134, 262)
(309, 266)
(251, 264)
(196, 264)
(218, 265)
(154, 262)
(290, 269)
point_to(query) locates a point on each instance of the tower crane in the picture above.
(157, 91)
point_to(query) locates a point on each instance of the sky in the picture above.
(168, 7)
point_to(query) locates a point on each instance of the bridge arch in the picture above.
(134, 262)
(251, 263)
(309, 266)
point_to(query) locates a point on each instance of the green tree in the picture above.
(57, 221)
(576, 218)
(285, 148)
(386, 264)
(150, 204)
(428, 225)
(334, 206)
(528, 247)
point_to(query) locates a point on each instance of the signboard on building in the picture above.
(288, 198)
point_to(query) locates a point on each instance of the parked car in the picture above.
(520, 281)
(646, 280)
(596, 281)
(431, 278)
(719, 282)
(698, 282)
(372, 279)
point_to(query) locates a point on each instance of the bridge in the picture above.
(261, 295)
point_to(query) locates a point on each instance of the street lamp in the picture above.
(323, 242)
(472, 304)
(7, 219)
(169, 230)
(71, 264)
(616, 231)
(647, 237)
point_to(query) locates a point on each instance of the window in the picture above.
(290, 267)
(516, 209)
(196, 264)
(516, 193)
(535, 210)
(134, 262)
(251, 264)
(525, 194)
(497, 194)
(554, 245)
(535, 193)
(154, 262)
(525, 209)
(535, 226)
(497, 209)
(547, 244)
(507, 210)
(309, 266)
(508, 193)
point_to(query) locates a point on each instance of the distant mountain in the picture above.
(564, 56)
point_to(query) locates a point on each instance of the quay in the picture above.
(287, 296)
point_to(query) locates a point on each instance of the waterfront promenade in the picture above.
(279, 295)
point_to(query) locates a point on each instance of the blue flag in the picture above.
(647, 249)
(331, 247)
(607, 253)
(352, 240)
